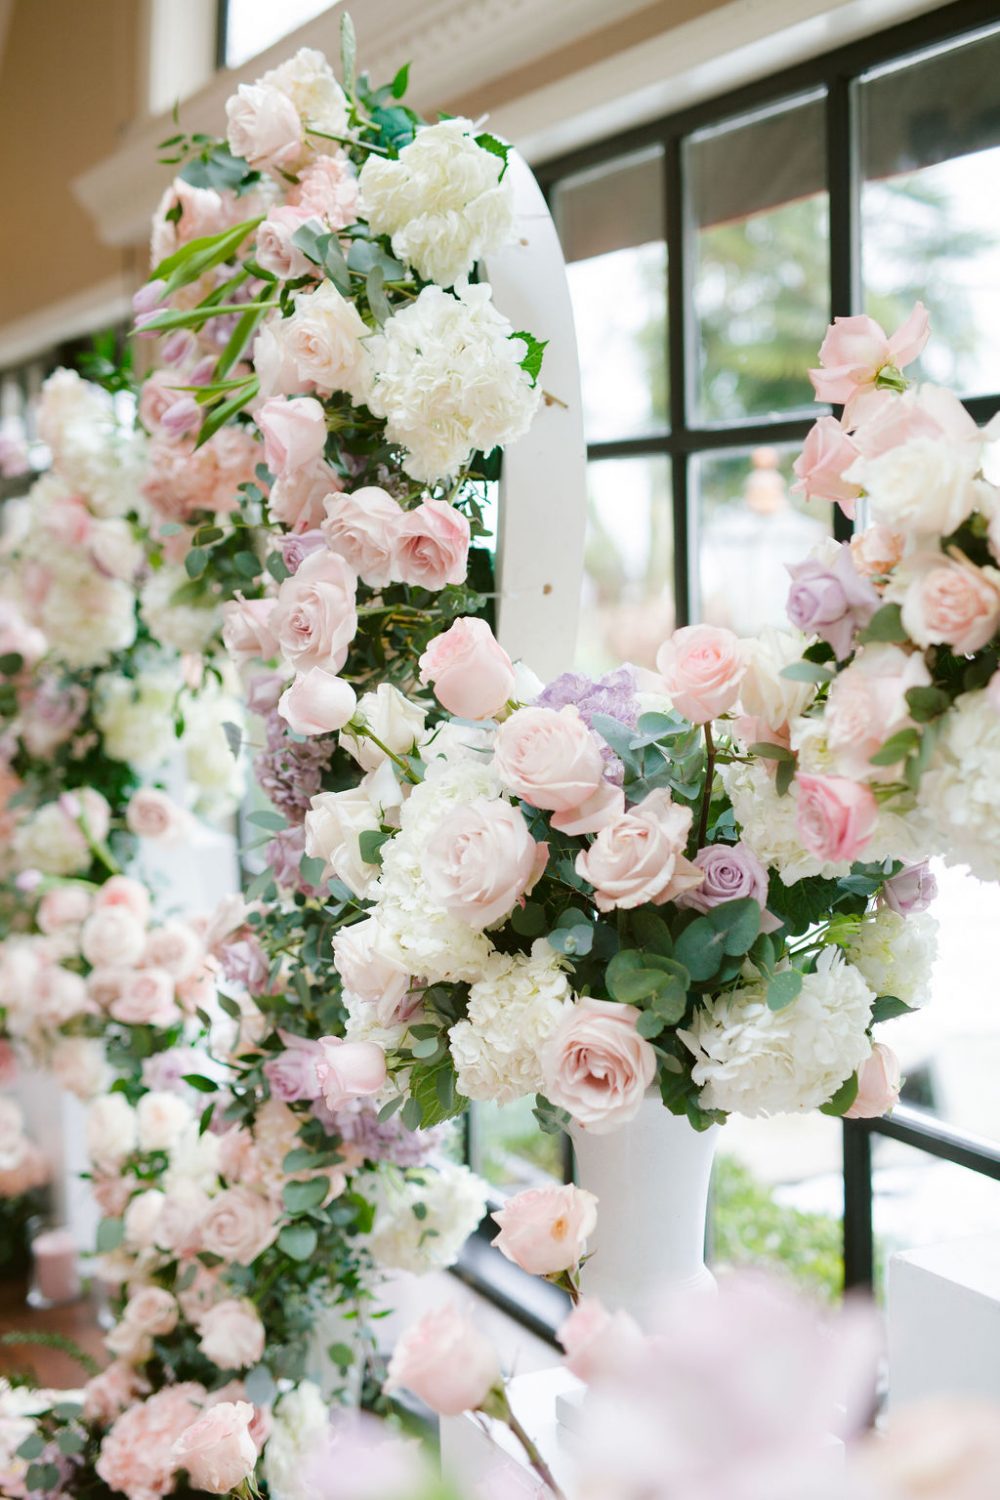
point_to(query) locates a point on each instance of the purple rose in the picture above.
(911, 891)
(244, 962)
(732, 873)
(292, 1074)
(831, 601)
(295, 549)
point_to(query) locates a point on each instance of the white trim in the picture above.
(84, 312)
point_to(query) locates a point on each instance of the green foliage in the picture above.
(749, 1228)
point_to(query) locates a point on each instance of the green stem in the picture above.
(346, 140)
(535, 1458)
(706, 800)
(365, 733)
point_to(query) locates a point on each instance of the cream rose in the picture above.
(333, 826)
(597, 1066)
(639, 856)
(323, 338)
(549, 757)
(264, 127)
(394, 720)
(480, 861)
(239, 1225)
(232, 1334)
(315, 617)
(364, 528)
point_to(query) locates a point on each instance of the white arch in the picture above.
(543, 496)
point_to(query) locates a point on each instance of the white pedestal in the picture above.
(944, 1321)
(481, 1458)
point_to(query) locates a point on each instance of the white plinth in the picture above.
(476, 1453)
(944, 1321)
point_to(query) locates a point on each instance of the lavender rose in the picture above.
(831, 600)
(911, 891)
(732, 873)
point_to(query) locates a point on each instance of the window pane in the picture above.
(761, 261)
(510, 1150)
(931, 227)
(749, 525)
(777, 1200)
(254, 25)
(611, 225)
(628, 605)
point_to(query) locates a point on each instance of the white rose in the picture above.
(161, 1120)
(333, 826)
(365, 972)
(323, 339)
(927, 485)
(765, 695)
(112, 935)
(141, 1218)
(393, 719)
(264, 127)
(310, 83)
(111, 1131)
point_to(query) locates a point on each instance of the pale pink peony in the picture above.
(480, 861)
(294, 433)
(446, 1361)
(878, 1084)
(137, 1455)
(315, 617)
(820, 468)
(246, 629)
(364, 527)
(108, 1394)
(472, 674)
(231, 1334)
(217, 1450)
(597, 1066)
(856, 350)
(328, 189)
(702, 667)
(318, 702)
(549, 757)
(639, 856)
(239, 1225)
(432, 547)
(349, 1070)
(545, 1230)
(835, 817)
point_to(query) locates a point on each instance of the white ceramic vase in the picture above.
(651, 1178)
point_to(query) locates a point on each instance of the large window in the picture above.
(707, 253)
(247, 27)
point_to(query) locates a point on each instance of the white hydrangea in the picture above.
(447, 379)
(454, 1200)
(894, 954)
(513, 1010)
(441, 201)
(363, 1024)
(301, 1422)
(185, 627)
(50, 840)
(93, 446)
(958, 791)
(136, 717)
(750, 1060)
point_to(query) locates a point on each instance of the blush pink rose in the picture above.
(545, 1230)
(876, 551)
(137, 1456)
(246, 630)
(318, 702)
(702, 667)
(835, 817)
(274, 250)
(122, 890)
(446, 1361)
(820, 468)
(950, 601)
(432, 547)
(549, 757)
(297, 499)
(349, 1070)
(264, 127)
(597, 1066)
(238, 1225)
(61, 907)
(294, 1073)
(112, 935)
(294, 433)
(867, 706)
(109, 1393)
(146, 999)
(598, 1343)
(315, 617)
(480, 860)
(878, 1085)
(856, 350)
(364, 529)
(639, 857)
(151, 814)
(600, 809)
(153, 1310)
(231, 1334)
(217, 1450)
(472, 674)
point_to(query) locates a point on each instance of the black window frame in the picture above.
(835, 75)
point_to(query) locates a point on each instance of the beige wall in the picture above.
(67, 88)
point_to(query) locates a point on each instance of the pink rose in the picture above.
(835, 817)
(856, 350)
(274, 250)
(264, 127)
(239, 1225)
(364, 529)
(545, 1230)
(137, 1456)
(328, 189)
(480, 861)
(911, 891)
(820, 467)
(597, 1066)
(349, 1070)
(217, 1450)
(599, 1343)
(315, 617)
(867, 706)
(374, 979)
(732, 872)
(175, 947)
(878, 1085)
(109, 1393)
(472, 674)
(231, 1334)
(59, 995)
(297, 499)
(876, 551)
(702, 667)
(830, 599)
(318, 702)
(949, 600)
(549, 757)
(432, 546)
(294, 1073)
(112, 935)
(153, 1310)
(146, 999)
(294, 433)
(121, 890)
(62, 906)
(246, 629)
(600, 809)
(639, 857)
(151, 814)
(446, 1361)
